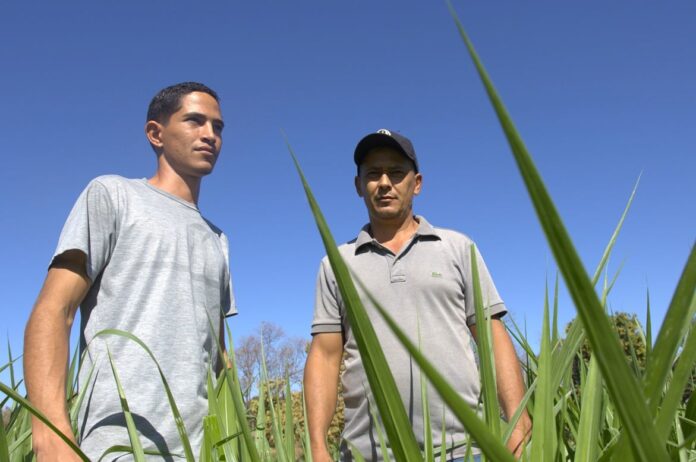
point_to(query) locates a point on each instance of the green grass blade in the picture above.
(19, 440)
(554, 325)
(211, 430)
(648, 331)
(564, 356)
(485, 350)
(221, 425)
(690, 416)
(590, 413)
(382, 384)
(587, 435)
(275, 419)
(129, 450)
(178, 420)
(227, 439)
(355, 453)
(39, 415)
(77, 402)
(680, 377)
(306, 443)
(4, 443)
(489, 443)
(518, 413)
(289, 424)
(381, 437)
(260, 432)
(623, 387)
(70, 379)
(428, 454)
(677, 320)
(615, 234)
(521, 339)
(443, 438)
(232, 382)
(544, 429)
(137, 447)
(11, 364)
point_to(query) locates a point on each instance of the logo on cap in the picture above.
(384, 131)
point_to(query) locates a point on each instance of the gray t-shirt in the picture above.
(159, 270)
(429, 284)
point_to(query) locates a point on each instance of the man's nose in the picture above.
(384, 180)
(208, 133)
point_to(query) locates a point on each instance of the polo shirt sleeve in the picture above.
(91, 228)
(492, 303)
(327, 311)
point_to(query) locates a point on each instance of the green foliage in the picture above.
(632, 339)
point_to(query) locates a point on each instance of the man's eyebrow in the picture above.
(201, 115)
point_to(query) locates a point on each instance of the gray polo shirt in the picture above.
(428, 283)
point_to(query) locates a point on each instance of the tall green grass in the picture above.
(617, 412)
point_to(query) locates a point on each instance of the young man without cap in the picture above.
(138, 256)
(422, 275)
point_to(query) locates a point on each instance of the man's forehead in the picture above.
(381, 155)
(200, 103)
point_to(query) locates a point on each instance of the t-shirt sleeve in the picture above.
(91, 228)
(227, 301)
(229, 307)
(492, 303)
(327, 312)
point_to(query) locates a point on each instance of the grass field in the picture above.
(617, 411)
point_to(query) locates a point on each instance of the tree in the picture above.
(632, 339)
(284, 358)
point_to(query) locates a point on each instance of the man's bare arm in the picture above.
(321, 389)
(510, 384)
(46, 351)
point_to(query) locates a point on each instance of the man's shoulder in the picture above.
(451, 235)
(346, 249)
(112, 183)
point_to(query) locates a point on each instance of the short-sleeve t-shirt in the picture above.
(159, 271)
(427, 288)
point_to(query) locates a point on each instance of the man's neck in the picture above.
(393, 235)
(187, 189)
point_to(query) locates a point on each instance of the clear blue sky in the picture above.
(600, 92)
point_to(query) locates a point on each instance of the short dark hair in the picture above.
(168, 100)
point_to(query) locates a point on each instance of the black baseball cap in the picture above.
(385, 138)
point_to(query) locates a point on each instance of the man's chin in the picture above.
(387, 215)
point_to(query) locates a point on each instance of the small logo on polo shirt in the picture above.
(436, 274)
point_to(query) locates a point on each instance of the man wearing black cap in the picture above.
(422, 276)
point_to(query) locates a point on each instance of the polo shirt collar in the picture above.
(424, 229)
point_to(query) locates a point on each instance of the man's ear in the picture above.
(419, 184)
(358, 186)
(153, 131)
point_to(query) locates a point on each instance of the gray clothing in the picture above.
(429, 284)
(160, 271)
